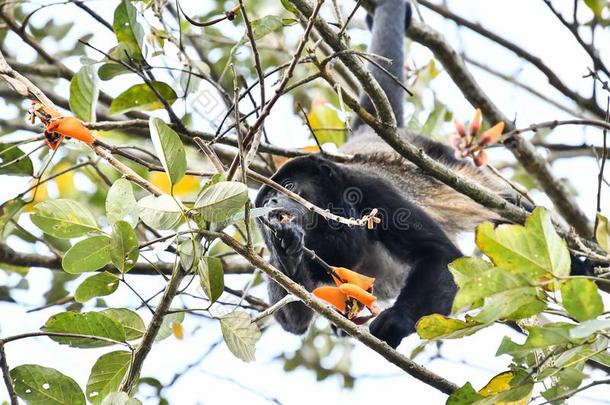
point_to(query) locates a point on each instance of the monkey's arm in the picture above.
(285, 242)
(422, 245)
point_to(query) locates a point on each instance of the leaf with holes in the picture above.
(127, 29)
(92, 324)
(87, 255)
(169, 148)
(106, 375)
(130, 320)
(45, 386)
(221, 200)
(98, 285)
(240, 334)
(64, 219)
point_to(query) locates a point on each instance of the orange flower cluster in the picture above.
(352, 293)
(471, 143)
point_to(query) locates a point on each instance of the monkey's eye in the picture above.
(289, 185)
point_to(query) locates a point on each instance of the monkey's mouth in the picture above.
(282, 216)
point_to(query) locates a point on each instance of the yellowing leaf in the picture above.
(177, 330)
(326, 123)
(602, 232)
(186, 186)
(499, 384)
(438, 326)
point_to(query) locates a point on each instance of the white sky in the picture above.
(526, 22)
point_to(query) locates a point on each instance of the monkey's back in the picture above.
(454, 211)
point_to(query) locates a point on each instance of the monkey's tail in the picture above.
(388, 26)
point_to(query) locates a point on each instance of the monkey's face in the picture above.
(312, 178)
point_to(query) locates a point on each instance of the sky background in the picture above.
(221, 378)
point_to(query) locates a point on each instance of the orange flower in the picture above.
(72, 128)
(492, 135)
(352, 294)
(352, 277)
(333, 296)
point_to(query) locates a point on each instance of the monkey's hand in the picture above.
(288, 237)
(392, 325)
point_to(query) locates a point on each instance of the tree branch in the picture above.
(353, 330)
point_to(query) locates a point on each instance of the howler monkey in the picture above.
(409, 250)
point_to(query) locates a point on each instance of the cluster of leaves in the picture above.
(529, 274)
(117, 245)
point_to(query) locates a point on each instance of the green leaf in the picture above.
(512, 304)
(8, 210)
(221, 200)
(169, 148)
(438, 326)
(106, 375)
(166, 327)
(564, 381)
(132, 323)
(465, 269)
(83, 93)
(289, 6)
(13, 161)
(602, 232)
(140, 97)
(87, 255)
(121, 203)
(597, 6)
(111, 70)
(465, 395)
(587, 328)
(64, 219)
(240, 334)
(98, 285)
(121, 398)
(266, 25)
(45, 386)
(484, 284)
(89, 323)
(161, 212)
(580, 297)
(534, 249)
(127, 29)
(124, 250)
(190, 251)
(211, 277)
